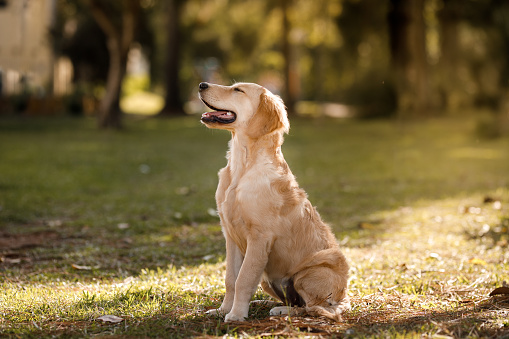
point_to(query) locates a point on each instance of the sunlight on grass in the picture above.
(144, 103)
(120, 224)
(477, 153)
(172, 292)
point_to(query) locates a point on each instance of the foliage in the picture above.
(135, 83)
(100, 223)
(340, 50)
(72, 36)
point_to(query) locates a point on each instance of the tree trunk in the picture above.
(290, 92)
(110, 115)
(409, 61)
(450, 85)
(119, 40)
(173, 103)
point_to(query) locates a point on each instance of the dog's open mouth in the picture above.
(218, 115)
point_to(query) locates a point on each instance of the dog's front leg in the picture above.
(249, 277)
(233, 263)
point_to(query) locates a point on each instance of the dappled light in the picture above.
(420, 210)
(143, 103)
(477, 153)
(399, 113)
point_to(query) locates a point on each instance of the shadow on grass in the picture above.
(63, 255)
(487, 319)
(352, 171)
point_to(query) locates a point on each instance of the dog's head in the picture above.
(243, 108)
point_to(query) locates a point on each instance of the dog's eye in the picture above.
(236, 89)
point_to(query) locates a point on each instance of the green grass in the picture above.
(97, 223)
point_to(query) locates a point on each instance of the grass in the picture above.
(97, 223)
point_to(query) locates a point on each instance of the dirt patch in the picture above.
(15, 248)
(27, 240)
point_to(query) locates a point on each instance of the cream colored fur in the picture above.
(274, 236)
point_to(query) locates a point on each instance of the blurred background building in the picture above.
(27, 61)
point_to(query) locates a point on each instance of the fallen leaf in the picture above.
(503, 243)
(484, 230)
(435, 256)
(55, 223)
(477, 261)
(212, 212)
(144, 169)
(81, 267)
(123, 226)
(488, 199)
(111, 319)
(500, 290)
(366, 226)
(470, 210)
(10, 260)
(183, 190)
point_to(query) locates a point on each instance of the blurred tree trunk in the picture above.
(119, 37)
(501, 19)
(173, 102)
(290, 92)
(409, 61)
(450, 85)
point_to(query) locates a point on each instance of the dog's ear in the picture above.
(270, 116)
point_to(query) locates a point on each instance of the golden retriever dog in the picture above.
(274, 236)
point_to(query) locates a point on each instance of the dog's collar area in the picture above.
(218, 115)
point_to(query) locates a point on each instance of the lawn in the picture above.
(96, 223)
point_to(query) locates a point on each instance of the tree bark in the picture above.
(450, 84)
(119, 39)
(173, 101)
(409, 61)
(290, 91)
(110, 115)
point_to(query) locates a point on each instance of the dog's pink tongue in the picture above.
(221, 114)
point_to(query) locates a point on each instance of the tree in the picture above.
(409, 61)
(119, 37)
(492, 17)
(173, 102)
(450, 85)
(289, 74)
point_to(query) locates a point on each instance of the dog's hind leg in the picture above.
(267, 288)
(287, 294)
(322, 283)
(324, 292)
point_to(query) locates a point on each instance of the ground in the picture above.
(123, 224)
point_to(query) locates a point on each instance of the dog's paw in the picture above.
(286, 310)
(234, 317)
(215, 312)
(280, 310)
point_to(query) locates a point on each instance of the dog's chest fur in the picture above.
(246, 194)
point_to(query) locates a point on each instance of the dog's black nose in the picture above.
(203, 86)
